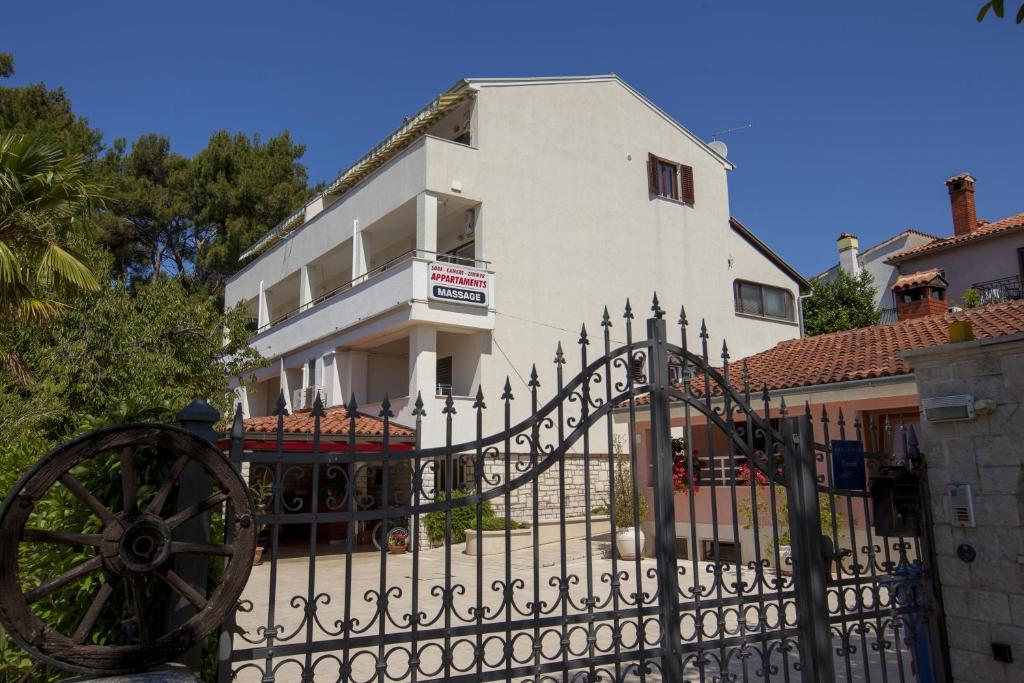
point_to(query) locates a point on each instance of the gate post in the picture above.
(664, 504)
(810, 566)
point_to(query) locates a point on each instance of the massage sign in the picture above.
(456, 284)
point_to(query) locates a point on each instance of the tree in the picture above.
(36, 110)
(998, 8)
(843, 302)
(45, 199)
(153, 344)
(243, 187)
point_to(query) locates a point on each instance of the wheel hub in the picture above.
(136, 544)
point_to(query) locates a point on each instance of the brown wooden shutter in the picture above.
(652, 173)
(686, 181)
(444, 375)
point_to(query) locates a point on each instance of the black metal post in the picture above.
(809, 563)
(664, 504)
(195, 485)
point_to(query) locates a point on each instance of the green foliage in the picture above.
(626, 497)
(998, 8)
(37, 110)
(764, 513)
(242, 187)
(6, 65)
(463, 517)
(152, 346)
(843, 302)
(45, 200)
(971, 298)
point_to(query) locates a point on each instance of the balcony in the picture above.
(380, 301)
(1002, 289)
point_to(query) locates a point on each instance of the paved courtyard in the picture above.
(374, 623)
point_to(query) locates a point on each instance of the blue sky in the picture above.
(860, 111)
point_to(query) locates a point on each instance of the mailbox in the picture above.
(896, 502)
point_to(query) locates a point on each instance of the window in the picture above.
(311, 372)
(444, 376)
(763, 300)
(670, 180)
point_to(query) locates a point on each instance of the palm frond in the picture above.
(57, 263)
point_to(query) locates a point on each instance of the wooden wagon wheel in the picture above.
(133, 546)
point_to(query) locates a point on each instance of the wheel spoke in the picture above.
(183, 588)
(202, 548)
(138, 599)
(90, 618)
(129, 486)
(160, 499)
(195, 509)
(60, 537)
(98, 509)
(64, 579)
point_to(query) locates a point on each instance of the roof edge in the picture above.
(769, 253)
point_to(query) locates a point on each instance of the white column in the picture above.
(285, 387)
(479, 236)
(423, 361)
(263, 309)
(360, 251)
(426, 222)
(306, 285)
(352, 376)
(332, 390)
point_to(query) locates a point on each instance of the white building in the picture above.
(534, 203)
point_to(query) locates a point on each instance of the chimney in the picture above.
(847, 245)
(961, 199)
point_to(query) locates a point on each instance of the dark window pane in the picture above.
(776, 302)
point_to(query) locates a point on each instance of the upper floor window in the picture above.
(670, 180)
(763, 300)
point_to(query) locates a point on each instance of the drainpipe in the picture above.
(800, 309)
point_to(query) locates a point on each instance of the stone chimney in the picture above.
(848, 247)
(961, 199)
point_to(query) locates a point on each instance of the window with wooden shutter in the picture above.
(669, 179)
(686, 181)
(444, 376)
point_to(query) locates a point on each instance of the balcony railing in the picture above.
(369, 275)
(1002, 289)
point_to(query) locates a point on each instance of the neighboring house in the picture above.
(858, 374)
(874, 260)
(983, 255)
(471, 241)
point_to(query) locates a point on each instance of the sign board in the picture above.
(848, 468)
(457, 284)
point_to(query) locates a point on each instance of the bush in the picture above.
(625, 494)
(463, 517)
(498, 524)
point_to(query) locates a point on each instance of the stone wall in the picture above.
(548, 490)
(983, 598)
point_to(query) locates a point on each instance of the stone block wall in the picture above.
(984, 599)
(549, 494)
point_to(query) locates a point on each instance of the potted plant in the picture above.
(629, 541)
(398, 540)
(261, 489)
(683, 480)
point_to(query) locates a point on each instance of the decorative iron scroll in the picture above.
(128, 551)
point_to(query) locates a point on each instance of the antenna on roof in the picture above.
(719, 147)
(715, 136)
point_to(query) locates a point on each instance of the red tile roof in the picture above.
(863, 353)
(983, 231)
(335, 422)
(921, 277)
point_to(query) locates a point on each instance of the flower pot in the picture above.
(257, 556)
(395, 549)
(626, 543)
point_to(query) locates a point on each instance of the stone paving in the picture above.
(293, 588)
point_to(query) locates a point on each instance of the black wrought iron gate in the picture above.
(519, 560)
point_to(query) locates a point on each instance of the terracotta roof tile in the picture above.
(921, 277)
(335, 422)
(863, 353)
(984, 230)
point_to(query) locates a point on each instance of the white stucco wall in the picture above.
(568, 226)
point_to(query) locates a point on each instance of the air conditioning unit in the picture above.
(298, 400)
(470, 221)
(311, 393)
(948, 408)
